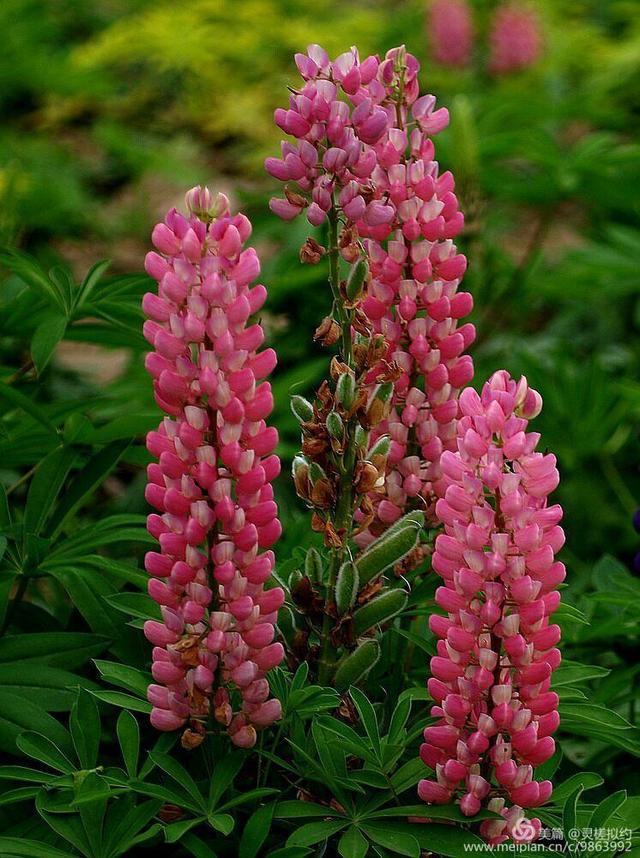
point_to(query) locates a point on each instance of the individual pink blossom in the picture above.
(515, 39)
(212, 482)
(450, 26)
(496, 649)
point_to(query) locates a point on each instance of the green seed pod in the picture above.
(387, 550)
(313, 565)
(360, 437)
(356, 665)
(346, 587)
(316, 473)
(355, 281)
(416, 518)
(380, 403)
(381, 447)
(335, 426)
(294, 579)
(302, 409)
(379, 610)
(300, 473)
(346, 389)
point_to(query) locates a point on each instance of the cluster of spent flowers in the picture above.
(496, 645)
(217, 518)
(402, 213)
(515, 39)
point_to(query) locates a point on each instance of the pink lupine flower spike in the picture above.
(496, 646)
(217, 518)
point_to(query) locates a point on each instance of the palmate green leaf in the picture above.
(16, 717)
(20, 794)
(84, 724)
(128, 733)
(86, 481)
(40, 748)
(49, 478)
(136, 605)
(181, 776)
(593, 716)
(88, 594)
(30, 272)
(175, 832)
(58, 649)
(68, 826)
(256, 831)
(408, 775)
(124, 676)
(45, 339)
(437, 811)
(607, 808)
(115, 569)
(19, 400)
(573, 673)
(222, 822)
(315, 832)
(94, 275)
(196, 846)
(586, 780)
(51, 687)
(124, 427)
(112, 529)
(293, 809)
(21, 847)
(249, 797)
(352, 844)
(349, 739)
(397, 839)
(226, 771)
(125, 701)
(570, 814)
(124, 821)
(7, 580)
(367, 717)
(449, 840)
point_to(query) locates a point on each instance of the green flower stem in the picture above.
(343, 518)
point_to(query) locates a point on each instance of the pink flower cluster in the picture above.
(497, 647)
(337, 116)
(217, 518)
(388, 187)
(451, 32)
(414, 302)
(515, 38)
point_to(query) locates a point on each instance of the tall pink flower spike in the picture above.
(515, 39)
(450, 32)
(364, 146)
(497, 647)
(217, 518)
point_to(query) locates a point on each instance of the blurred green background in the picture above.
(111, 108)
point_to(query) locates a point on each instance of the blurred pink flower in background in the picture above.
(450, 28)
(515, 39)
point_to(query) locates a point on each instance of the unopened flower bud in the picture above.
(335, 426)
(346, 390)
(356, 280)
(302, 409)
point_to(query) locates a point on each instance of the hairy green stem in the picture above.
(343, 517)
